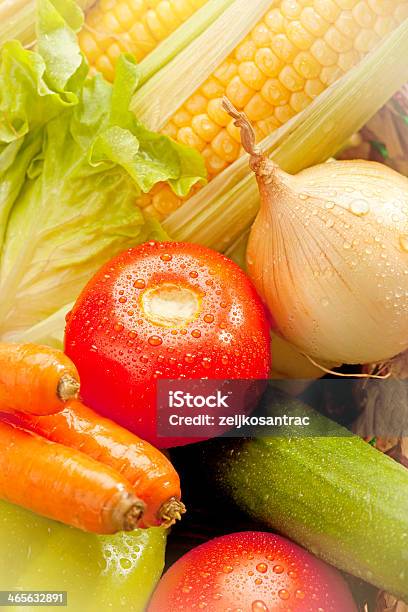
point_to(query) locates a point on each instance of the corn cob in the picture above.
(135, 26)
(297, 50)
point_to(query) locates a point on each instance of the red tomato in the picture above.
(164, 310)
(251, 572)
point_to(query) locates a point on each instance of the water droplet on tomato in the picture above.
(193, 274)
(132, 335)
(166, 257)
(278, 569)
(196, 333)
(186, 589)
(118, 327)
(292, 573)
(262, 567)
(299, 594)
(217, 596)
(283, 594)
(223, 304)
(183, 332)
(152, 243)
(224, 360)
(258, 581)
(259, 606)
(123, 299)
(189, 358)
(209, 318)
(227, 569)
(139, 283)
(155, 340)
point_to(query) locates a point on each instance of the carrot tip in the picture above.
(170, 512)
(133, 516)
(68, 388)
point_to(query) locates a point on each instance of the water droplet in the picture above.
(329, 205)
(155, 340)
(193, 274)
(223, 304)
(196, 333)
(209, 318)
(262, 567)
(189, 358)
(132, 335)
(123, 300)
(299, 594)
(217, 596)
(360, 208)
(224, 360)
(346, 245)
(259, 606)
(125, 563)
(166, 257)
(258, 581)
(139, 283)
(118, 327)
(404, 242)
(283, 594)
(303, 196)
(227, 569)
(186, 589)
(278, 569)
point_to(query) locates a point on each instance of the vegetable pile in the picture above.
(286, 262)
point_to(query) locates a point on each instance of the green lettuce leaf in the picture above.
(73, 160)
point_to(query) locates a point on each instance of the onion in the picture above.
(328, 253)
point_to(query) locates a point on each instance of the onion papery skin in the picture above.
(328, 253)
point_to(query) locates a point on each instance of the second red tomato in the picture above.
(164, 310)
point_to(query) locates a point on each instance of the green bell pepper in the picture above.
(99, 573)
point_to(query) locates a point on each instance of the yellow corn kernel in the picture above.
(291, 9)
(348, 60)
(284, 113)
(226, 72)
(347, 25)
(291, 79)
(307, 65)
(258, 108)
(182, 118)
(284, 48)
(323, 53)
(170, 130)
(337, 41)
(328, 9)
(213, 162)
(299, 101)
(261, 35)
(225, 146)
(251, 75)
(363, 15)
(366, 40)
(275, 92)
(217, 113)
(314, 87)
(205, 128)
(275, 21)
(212, 88)
(196, 104)
(187, 136)
(239, 93)
(299, 36)
(268, 62)
(330, 74)
(234, 132)
(165, 201)
(245, 52)
(313, 22)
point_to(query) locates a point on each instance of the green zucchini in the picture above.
(335, 495)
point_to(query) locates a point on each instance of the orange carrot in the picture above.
(64, 484)
(153, 477)
(35, 379)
